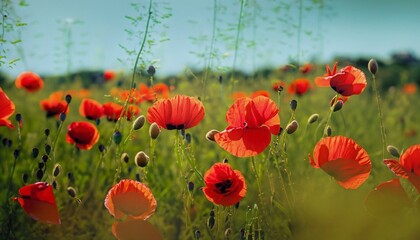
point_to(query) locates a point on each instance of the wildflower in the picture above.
(83, 134)
(260, 93)
(250, 125)
(132, 111)
(130, 198)
(7, 108)
(109, 75)
(91, 109)
(145, 93)
(348, 81)
(224, 186)
(387, 199)
(306, 68)
(161, 90)
(38, 201)
(408, 167)
(410, 88)
(179, 112)
(343, 159)
(278, 85)
(131, 229)
(112, 111)
(54, 105)
(237, 95)
(299, 86)
(30, 81)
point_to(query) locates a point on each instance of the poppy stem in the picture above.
(380, 115)
(330, 115)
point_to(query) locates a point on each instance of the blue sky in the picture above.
(269, 37)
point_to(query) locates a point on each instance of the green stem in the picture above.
(378, 102)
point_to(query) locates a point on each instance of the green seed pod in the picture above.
(210, 135)
(328, 131)
(154, 131)
(313, 118)
(56, 170)
(141, 159)
(292, 127)
(139, 122)
(117, 137)
(393, 151)
(71, 191)
(125, 157)
(210, 222)
(373, 66)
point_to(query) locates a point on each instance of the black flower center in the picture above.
(172, 127)
(224, 186)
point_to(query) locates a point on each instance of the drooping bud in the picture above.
(138, 178)
(373, 66)
(338, 105)
(54, 184)
(225, 160)
(47, 149)
(393, 151)
(68, 98)
(292, 127)
(47, 132)
(18, 117)
(293, 105)
(197, 234)
(117, 137)
(25, 178)
(139, 122)
(101, 148)
(125, 157)
(328, 131)
(41, 165)
(210, 135)
(220, 79)
(151, 70)
(56, 170)
(39, 174)
(35, 152)
(16, 153)
(154, 131)
(188, 138)
(71, 191)
(313, 118)
(62, 117)
(141, 159)
(44, 158)
(210, 222)
(190, 186)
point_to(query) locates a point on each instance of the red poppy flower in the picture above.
(112, 111)
(237, 95)
(109, 75)
(408, 167)
(133, 228)
(348, 81)
(388, 198)
(130, 198)
(277, 85)
(132, 112)
(135, 96)
(307, 67)
(251, 123)
(91, 109)
(84, 134)
(224, 186)
(146, 93)
(343, 159)
(54, 105)
(161, 90)
(179, 112)
(31, 81)
(7, 108)
(260, 93)
(299, 86)
(410, 88)
(38, 201)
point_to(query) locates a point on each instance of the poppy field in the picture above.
(306, 150)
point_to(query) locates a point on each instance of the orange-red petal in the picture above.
(7, 108)
(134, 229)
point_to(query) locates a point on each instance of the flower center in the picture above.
(224, 186)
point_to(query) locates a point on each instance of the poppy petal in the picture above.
(396, 168)
(7, 108)
(133, 229)
(410, 159)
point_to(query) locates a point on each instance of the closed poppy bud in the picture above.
(210, 135)
(44, 158)
(293, 105)
(62, 117)
(328, 131)
(141, 159)
(101, 148)
(190, 186)
(47, 132)
(56, 170)
(18, 117)
(151, 70)
(338, 105)
(393, 151)
(313, 118)
(117, 137)
(188, 138)
(25, 177)
(197, 234)
(210, 222)
(139, 122)
(47, 149)
(292, 127)
(16, 153)
(41, 165)
(68, 98)
(373, 66)
(39, 174)
(228, 232)
(71, 191)
(154, 131)
(35, 152)
(54, 184)
(125, 157)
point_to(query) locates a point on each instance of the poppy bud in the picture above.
(210, 135)
(228, 232)
(56, 170)
(151, 70)
(293, 105)
(125, 157)
(197, 234)
(39, 174)
(4, 141)
(292, 127)
(41, 165)
(71, 191)
(18, 117)
(242, 233)
(117, 137)
(188, 138)
(16, 153)
(373, 66)
(328, 131)
(237, 205)
(44, 158)
(101, 148)
(47, 149)
(141, 159)
(313, 118)
(62, 117)
(25, 177)
(225, 160)
(54, 184)
(68, 98)
(393, 151)
(97, 121)
(138, 177)
(154, 131)
(220, 79)
(47, 132)
(338, 105)
(70, 176)
(210, 222)
(35, 152)
(212, 213)
(190, 186)
(139, 122)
